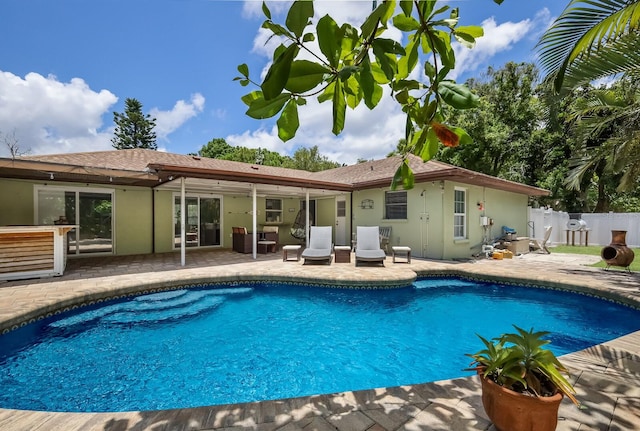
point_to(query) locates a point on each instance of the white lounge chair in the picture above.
(320, 244)
(368, 245)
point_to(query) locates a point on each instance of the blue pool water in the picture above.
(189, 348)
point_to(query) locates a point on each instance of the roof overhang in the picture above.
(47, 171)
(462, 176)
(242, 181)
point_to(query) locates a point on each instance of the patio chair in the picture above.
(541, 245)
(320, 245)
(242, 241)
(385, 235)
(368, 245)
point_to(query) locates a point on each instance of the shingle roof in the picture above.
(146, 167)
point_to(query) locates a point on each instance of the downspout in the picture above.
(183, 245)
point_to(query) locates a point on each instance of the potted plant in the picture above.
(522, 382)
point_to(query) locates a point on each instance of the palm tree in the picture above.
(607, 127)
(592, 39)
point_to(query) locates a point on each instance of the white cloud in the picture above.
(497, 38)
(168, 121)
(49, 116)
(368, 134)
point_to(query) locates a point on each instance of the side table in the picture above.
(343, 253)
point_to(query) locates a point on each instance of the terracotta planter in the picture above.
(512, 411)
(617, 253)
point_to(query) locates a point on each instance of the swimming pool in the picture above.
(206, 346)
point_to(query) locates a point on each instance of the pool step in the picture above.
(156, 307)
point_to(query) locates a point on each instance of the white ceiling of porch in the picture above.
(203, 185)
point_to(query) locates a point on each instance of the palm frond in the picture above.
(592, 30)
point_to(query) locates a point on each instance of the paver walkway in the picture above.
(607, 377)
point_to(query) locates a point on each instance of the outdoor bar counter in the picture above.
(33, 251)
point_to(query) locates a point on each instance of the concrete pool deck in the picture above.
(606, 377)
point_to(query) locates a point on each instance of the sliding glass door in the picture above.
(202, 221)
(90, 210)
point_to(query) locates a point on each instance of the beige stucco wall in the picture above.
(134, 224)
(16, 202)
(428, 229)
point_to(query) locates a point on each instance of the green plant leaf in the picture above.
(244, 70)
(305, 75)
(248, 99)
(265, 10)
(329, 44)
(300, 13)
(408, 62)
(353, 92)
(339, 107)
(406, 6)
(371, 91)
(288, 122)
(262, 108)
(405, 23)
(380, 15)
(277, 29)
(442, 45)
(457, 95)
(278, 73)
(472, 30)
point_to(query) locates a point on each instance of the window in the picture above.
(274, 210)
(91, 210)
(395, 205)
(460, 214)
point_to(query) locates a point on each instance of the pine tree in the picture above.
(133, 128)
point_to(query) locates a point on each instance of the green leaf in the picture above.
(353, 92)
(277, 29)
(339, 107)
(405, 23)
(300, 13)
(265, 10)
(278, 73)
(404, 175)
(383, 49)
(462, 134)
(408, 62)
(442, 45)
(305, 75)
(431, 146)
(406, 6)
(380, 15)
(262, 108)
(426, 7)
(309, 37)
(457, 95)
(472, 30)
(371, 91)
(244, 70)
(248, 99)
(288, 122)
(465, 39)
(327, 94)
(329, 44)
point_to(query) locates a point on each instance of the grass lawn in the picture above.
(595, 250)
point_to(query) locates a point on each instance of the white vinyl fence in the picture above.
(599, 226)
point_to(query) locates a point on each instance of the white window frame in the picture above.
(277, 214)
(77, 191)
(460, 215)
(405, 204)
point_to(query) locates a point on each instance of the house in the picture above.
(126, 202)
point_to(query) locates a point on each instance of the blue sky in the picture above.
(67, 65)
